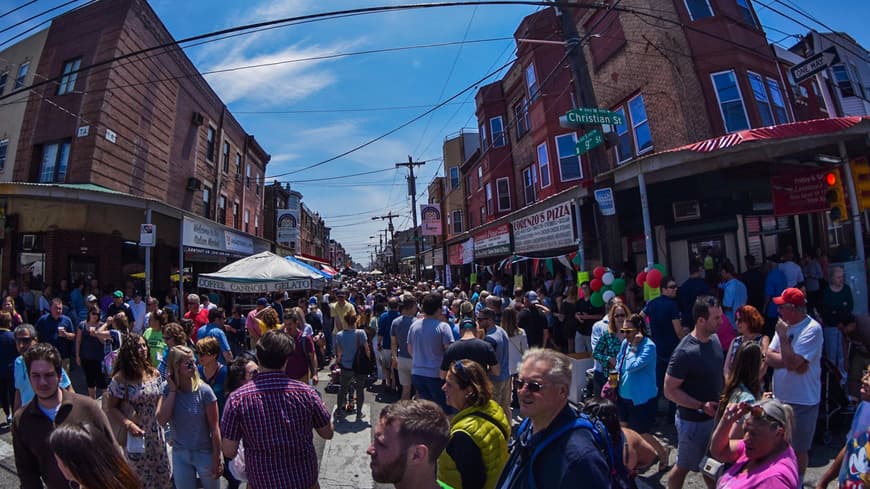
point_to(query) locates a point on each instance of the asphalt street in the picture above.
(344, 462)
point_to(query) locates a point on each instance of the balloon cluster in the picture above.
(605, 286)
(652, 276)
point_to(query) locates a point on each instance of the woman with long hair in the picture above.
(190, 407)
(132, 401)
(749, 326)
(477, 449)
(9, 306)
(90, 350)
(608, 345)
(742, 384)
(89, 457)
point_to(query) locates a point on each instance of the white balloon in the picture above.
(608, 295)
(607, 278)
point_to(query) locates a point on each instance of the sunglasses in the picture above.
(532, 386)
(628, 331)
(24, 340)
(619, 315)
(190, 364)
(757, 412)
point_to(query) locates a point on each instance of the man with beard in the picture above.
(407, 441)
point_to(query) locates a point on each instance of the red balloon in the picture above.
(599, 272)
(595, 284)
(654, 278)
(640, 279)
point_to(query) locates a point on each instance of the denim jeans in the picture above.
(187, 464)
(429, 388)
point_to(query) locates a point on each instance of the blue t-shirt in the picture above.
(855, 470)
(189, 422)
(216, 384)
(774, 284)
(46, 331)
(428, 338)
(348, 340)
(22, 381)
(661, 312)
(734, 297)
(217, 333)
(385, 323)
(498, 338)
(399, 329)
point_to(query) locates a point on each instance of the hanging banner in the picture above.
(431, 219)
(468, 251)
(472, 279)
(799, 191)
(495, 241)
(548, 229)
(518, 281)
(454, 254)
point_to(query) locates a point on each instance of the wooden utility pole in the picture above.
(412, 191)
(391, 229)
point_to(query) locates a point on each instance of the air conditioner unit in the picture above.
(194, 183)
(686, 210)
(28, 242)
(197, 119)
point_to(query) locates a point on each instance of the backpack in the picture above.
(362, 364)
(110, 351)
(618, 474)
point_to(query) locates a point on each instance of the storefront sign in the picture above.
(147, 235)
(287, 227)
(548, 229)
(438, 257)
(606, 204)
(454, 254)
(798, 191)
(468, 251)
(495, 241)
(431, 219)
(209, 236)
(254, 287)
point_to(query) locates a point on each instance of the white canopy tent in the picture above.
(263, 272)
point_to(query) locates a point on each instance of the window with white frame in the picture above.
(209, 143)
(222, 209)
(55, 158)
(68, 76)
(454, 177)
(247, 219)
(4, 145)
(698, 9)
(496, 125)
(730, 101)
(457, 221)
(521, 115)
(746, 13)
(479, 177)
(236, 215)
(531, 82)
(488, 198)
(777, 101)
(759, 93)
(483, 143)
(226, 157)
(544, 165)
(842, 80)
(624, 146)
(639, 125)
(248, 176)
(530, 182)
(22, 73)
(482, 215)
(206, 202)
(569, 162)
(503, 191)
(238, 165)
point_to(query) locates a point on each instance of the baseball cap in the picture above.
(791, 296)
(774, 409)
(91, 298)
(467, 324)
(118, 293)
(532, 296)
(262, 301)
(312, 300)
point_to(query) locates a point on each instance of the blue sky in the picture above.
(332, 97)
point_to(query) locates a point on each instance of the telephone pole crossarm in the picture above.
(412, 191)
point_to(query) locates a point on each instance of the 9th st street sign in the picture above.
(586, 115)
(588, 141)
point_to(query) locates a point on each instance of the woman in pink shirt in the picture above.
(764, 457)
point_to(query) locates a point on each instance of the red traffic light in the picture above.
(831, 178)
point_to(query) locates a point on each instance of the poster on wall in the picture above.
(287, 227)
(431, 219)
(547, 229)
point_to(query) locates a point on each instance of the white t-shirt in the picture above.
(804, 389)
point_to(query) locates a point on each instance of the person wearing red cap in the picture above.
(795, 352)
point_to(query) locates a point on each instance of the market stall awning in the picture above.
(263, 272)
(328, 269)
(311, 259)
(314, 269)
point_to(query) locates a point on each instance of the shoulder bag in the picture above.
(362, 364)
(118, 429)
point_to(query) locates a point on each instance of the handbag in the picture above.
(608, 391)
(118, 429)
(362, 364)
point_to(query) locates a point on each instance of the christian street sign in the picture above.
(815, 64)
(588, 141)
(587, 115)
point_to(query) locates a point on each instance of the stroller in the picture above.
(834, 399)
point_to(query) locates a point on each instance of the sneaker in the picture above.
(360, 415)
(340, 413)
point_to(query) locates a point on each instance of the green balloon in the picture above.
(618, 286)
(596, 299)
(661, 268)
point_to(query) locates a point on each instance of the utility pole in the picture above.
(389, 217)
(412, 191)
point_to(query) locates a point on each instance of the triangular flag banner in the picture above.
(535, 266)
(576, 259)
(564, 260)
(549, 264)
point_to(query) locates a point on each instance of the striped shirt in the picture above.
(274, 416)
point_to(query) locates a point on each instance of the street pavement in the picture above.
(344, 463)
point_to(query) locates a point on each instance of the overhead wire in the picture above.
(16, 9)
(36, 16)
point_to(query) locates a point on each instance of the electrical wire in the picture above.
(46, 21)
(830, 39)
(32, 17)
(4, 14)
(344, 109)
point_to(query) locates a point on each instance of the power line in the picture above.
(832, 40)
(46, 21)
(4, 14)
(35, 16)
(344, 109)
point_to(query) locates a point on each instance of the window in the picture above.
(226, 159)
(624, 149)
(760, 94)
(497, 126)
(569, 162)
(209, 144)
(22, 72)
(823, 106)
(248, 176)
(746, 13)
(483, 145)
(698, 9)
(4, 144)
(454, 177)
(236, 217)
(247, 219)
(68, 79)
(257, 184)
(468, 185)
(489, 198)
(479, 177)
(482, 215)
(457, 222)
(730, 101)
(257, 224)
(3, 77)
(640, 125)
(222, 209)
(777, 101)
(238, 165)
(531, 83)
(521, 115)
(206, 202)
(55, 157)
(503, 189)
(544, 165)
(530, 180)
(841, 78)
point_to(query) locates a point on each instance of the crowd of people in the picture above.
(482, 376)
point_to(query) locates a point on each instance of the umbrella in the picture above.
(323, 273)
(376, 272)
(263, 272)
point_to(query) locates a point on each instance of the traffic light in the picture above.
(836, 195)
(861, 172)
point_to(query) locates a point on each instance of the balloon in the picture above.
(599, 272)
(607, 296)
(596, 299)
(661, 268)
(618, 286)
(654, 278)
(607, 278)
(595, 284)
(640, 279)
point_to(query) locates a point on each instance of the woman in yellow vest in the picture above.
(478, 446)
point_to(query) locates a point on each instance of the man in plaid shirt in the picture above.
(274, 416)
